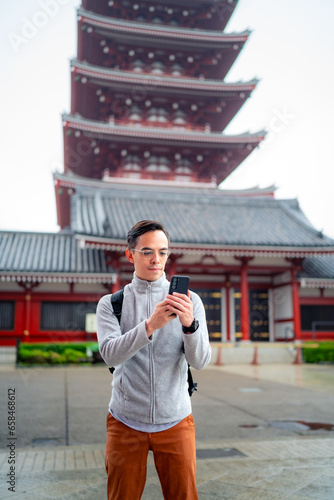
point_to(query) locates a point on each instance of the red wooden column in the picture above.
(117, 285)
(28, 288)
(244, 301)
(244, 305)
(172, 266)
(27, 313)
(296, 304)
(297, 265)
(114, 259)
(227, 305)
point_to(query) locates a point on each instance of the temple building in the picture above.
(144, 139)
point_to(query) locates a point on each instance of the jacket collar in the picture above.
(143, 285)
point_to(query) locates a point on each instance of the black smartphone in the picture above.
(179, 284)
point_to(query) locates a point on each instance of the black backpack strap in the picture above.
(192, 386)
(116, 303)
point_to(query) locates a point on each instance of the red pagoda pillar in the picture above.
(244, 307)
(296, 304)
(297, 264)
(114, 259)
(172, 266)
(244, 301)
(227, 306)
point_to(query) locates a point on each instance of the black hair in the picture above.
(143, 227)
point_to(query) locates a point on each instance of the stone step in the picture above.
(256, 353)
(7, 355)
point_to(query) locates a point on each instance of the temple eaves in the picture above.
(183, 34)
(87, 69)
(107, 129)
(72, 180)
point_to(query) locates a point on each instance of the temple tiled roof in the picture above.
(185, 35)
(129, 77)
(193, 217)
(44, 255)
(319, 267)
(199, 217)
(169, 136)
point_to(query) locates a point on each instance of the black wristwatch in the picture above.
(192, 328)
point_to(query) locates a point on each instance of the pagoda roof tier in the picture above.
(89, 3)
(169, 33)
(71, 181)
(206, 14)
(105, 130)
(66, 185)
(199, 221)
(92, 147)
(213, 50)
(51, 258)
(187, 83)
(95, 89)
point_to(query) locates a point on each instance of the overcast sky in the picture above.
(291, 50)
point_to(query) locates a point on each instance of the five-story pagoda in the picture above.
(149, 101)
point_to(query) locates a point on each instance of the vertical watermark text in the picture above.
(11, 445)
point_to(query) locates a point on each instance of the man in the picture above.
(150, 406)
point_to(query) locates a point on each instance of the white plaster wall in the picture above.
(284, 330)
(309, 292)
(232, 315)
(282, 302)
(10, 286)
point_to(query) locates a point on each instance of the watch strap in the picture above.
(192, 328)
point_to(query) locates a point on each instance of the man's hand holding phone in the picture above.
(159, 318)
(178, 300)
(176, 303)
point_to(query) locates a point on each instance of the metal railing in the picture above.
(320, 323)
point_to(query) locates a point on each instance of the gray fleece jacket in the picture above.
(150, 379)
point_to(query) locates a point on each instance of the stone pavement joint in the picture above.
(90, 457)
(281, 462)
(277, 469)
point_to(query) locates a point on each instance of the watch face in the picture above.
(192, 328)
(195, 325)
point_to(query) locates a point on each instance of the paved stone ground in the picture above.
(247, 421)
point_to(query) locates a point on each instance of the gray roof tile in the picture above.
(48, 253)
(318, 267)
(195, 216)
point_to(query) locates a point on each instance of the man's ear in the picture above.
(129, 256)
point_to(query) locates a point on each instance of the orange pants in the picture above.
(174, 453)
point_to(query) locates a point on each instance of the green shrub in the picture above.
(55, 353)
(94, 347)
(324, 353)
(73, 356)
(54, 358)
(24, 354)
(34, 356)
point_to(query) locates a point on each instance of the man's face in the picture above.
(149, 268)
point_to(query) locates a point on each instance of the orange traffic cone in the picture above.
(219, 361)
(299, 358)
(256, 356)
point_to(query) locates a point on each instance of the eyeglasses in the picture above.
(148, 254)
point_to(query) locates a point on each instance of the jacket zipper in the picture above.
(151, 360)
